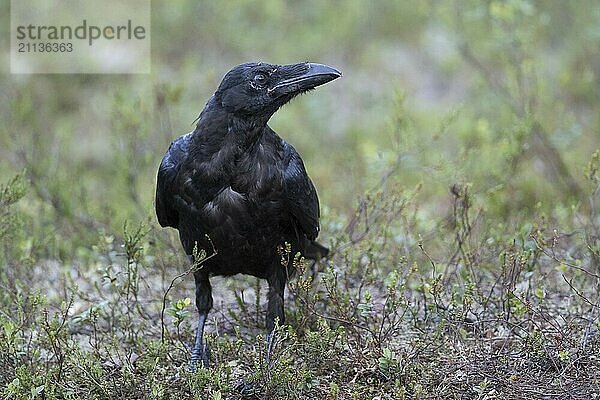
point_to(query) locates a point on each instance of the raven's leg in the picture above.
(275, 306)
(204, 303)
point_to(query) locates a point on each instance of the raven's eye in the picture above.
(260, 78)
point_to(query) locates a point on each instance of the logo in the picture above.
(80, 36)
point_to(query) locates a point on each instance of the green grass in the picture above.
(458, 166)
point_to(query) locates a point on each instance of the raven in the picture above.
(235, 186)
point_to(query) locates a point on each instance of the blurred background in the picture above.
(500, 95)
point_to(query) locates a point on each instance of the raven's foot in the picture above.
(200, 358)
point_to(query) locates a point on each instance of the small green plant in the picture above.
(388, 362)
(179, 311)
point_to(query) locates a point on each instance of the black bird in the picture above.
(234, 185)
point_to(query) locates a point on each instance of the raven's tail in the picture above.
(315, 251)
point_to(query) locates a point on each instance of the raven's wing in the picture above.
(166, 187)
(299, 193)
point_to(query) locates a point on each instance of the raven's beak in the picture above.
(311, 76)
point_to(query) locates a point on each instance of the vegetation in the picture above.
(458, 165)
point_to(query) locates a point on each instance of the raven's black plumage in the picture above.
(235, 185)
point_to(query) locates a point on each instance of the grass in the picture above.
(512, 317)
(458, 167)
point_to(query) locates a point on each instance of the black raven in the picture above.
(234, 185)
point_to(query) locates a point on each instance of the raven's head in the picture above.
(257, 90)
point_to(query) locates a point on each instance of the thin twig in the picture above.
(196, 265)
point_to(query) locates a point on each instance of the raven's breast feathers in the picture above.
(265, 184)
